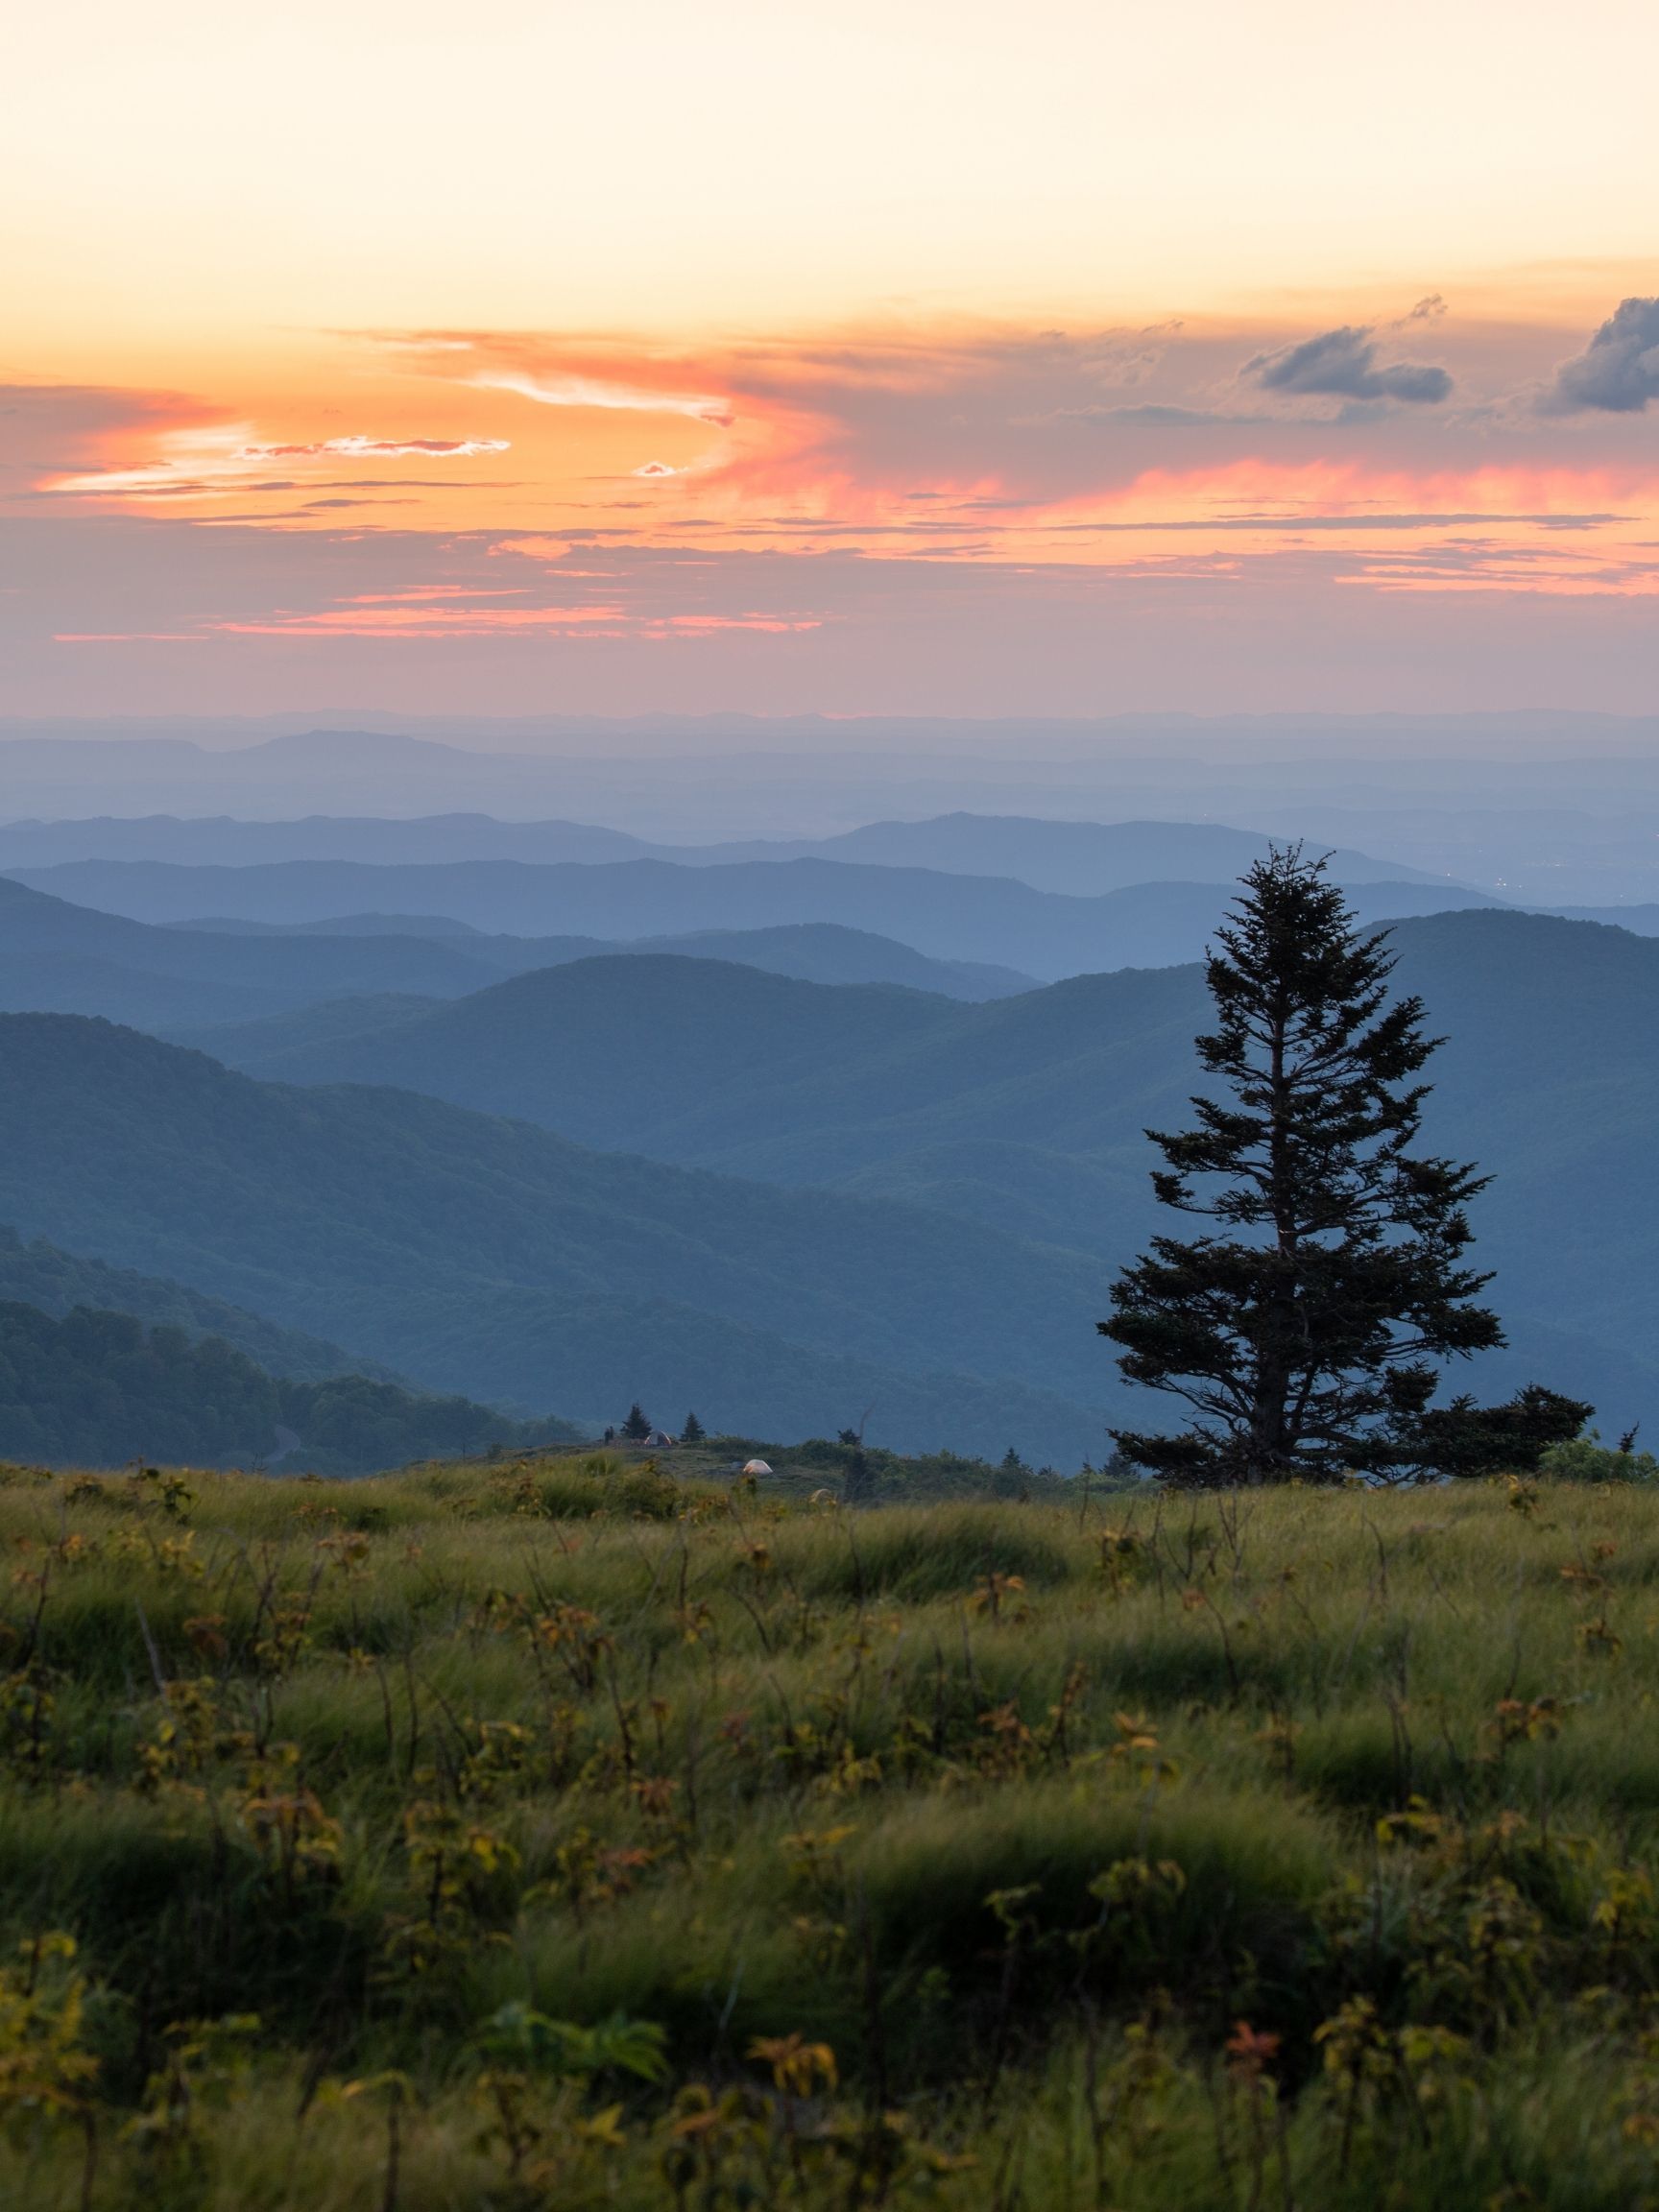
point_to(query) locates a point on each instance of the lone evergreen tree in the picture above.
(1304, 1329)
(693, 1431)
(637, 1428)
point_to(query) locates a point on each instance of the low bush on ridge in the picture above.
(560, 1832)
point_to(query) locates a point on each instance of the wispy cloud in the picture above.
(377, 448)
(205, 460)
(158, 608)
(594, 392)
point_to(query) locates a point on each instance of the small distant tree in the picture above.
(693, 1432)
(1012, 1476)
(637, 1428)
(1303, 1331)
(858, 1477)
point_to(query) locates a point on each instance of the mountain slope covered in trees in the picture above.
(36, 1273)
(482, 1254)
(979, 1173)
(1029, 1115)
(97, 1389)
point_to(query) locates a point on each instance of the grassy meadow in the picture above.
(561, 1832)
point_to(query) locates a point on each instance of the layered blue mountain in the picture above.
(947, 916)
(57, 957)
(1080, 857)
(482, 1254)
(1029, 1115)
(1543, 806)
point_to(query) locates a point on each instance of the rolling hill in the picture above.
(816, 951)
(948, 917)
(485, 1256)
(1027, 1115)
(59, 958)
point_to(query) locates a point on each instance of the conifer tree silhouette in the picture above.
(1304, 1331)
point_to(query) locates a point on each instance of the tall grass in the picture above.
(1297, 1849)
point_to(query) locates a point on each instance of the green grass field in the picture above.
(563, 1833)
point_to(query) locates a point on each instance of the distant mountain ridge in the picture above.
(814, 952)
(946, 917)
(58, 957)
(728, 775)
(1083, 858)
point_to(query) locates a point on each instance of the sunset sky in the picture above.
(917, 357)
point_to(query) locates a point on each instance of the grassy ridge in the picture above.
(564, 1833)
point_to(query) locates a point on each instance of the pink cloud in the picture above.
(187, 621)
(895, 501)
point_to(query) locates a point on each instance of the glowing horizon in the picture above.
(635, 358)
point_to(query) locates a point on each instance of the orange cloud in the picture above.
(958, 446)
(206, 462)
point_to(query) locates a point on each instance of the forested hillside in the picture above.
(100, 1389)
(1029, 1115)
(914, 1203)
(485, 1256)
(36, 1273)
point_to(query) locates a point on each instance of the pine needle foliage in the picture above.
(1303, 1331)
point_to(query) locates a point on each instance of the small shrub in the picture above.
(1587, 1459)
